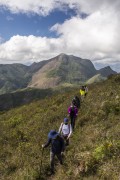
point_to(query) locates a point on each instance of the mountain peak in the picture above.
(62, 54)
(107, 67)
(106, 71)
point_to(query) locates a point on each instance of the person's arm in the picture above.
(76, 111)
(69, 109)
(70, 132)
(46, 144)
(60, 128)
(80, 91)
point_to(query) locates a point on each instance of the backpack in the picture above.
(57, 145)
(74, 102)
(77, 101)
(68, 127)
(72, 112)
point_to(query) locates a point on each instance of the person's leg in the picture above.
(59, 156)
(67, 142)
(52, 155)
(72, 122)
(81, 98)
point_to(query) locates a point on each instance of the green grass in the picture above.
(94, 150)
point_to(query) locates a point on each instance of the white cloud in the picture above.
(95, 37)
(41, 7)
(9, 18)
(44, 7)
(95, 34)
(23, 49)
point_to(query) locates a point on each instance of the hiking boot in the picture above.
(52, 171)
(67, 144)
(61, 163)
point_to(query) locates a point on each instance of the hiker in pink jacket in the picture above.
(73, 112)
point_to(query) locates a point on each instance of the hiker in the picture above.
(76, 101)
(86, 90)
(65, 130)
(57, 147)
(82, 93)
(73, 112)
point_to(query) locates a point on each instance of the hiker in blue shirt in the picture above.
(57, 147)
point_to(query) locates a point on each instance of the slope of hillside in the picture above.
(12, 77)
(27, 95)
(94, 150)
(41, 80)
(63, 69)
(95, 79)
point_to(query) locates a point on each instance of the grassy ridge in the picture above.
(94, 151)
(27, 95)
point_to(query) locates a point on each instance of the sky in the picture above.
(37, 30)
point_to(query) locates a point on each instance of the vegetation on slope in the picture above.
(94, 151)
(17, 76)
(27, 95)
(95, 79)
(12, 77)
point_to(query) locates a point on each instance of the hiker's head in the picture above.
(74, 102)
(72, 105)
(83, 88)
(66, 120)
(52, 134)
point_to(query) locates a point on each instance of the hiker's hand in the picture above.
(43, 146)
(62, 153)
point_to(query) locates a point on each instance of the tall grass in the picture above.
(94, 150)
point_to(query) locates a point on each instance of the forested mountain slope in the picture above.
(94, 150)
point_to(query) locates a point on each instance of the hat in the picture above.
(52, 134)
(65, 120)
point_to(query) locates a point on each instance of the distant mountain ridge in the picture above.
(63, 69)
(48, 73)
(106, 71)
(66, 69)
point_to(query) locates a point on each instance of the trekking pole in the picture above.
(41, 160)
